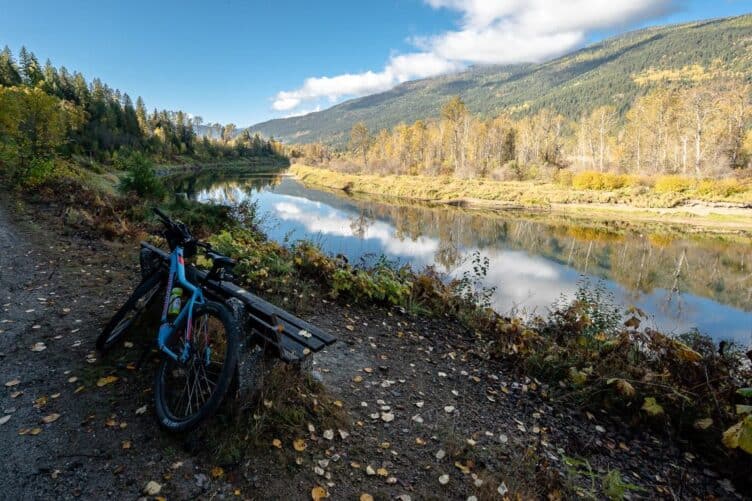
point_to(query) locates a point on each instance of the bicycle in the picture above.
(198, 339)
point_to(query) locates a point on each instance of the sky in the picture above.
(249, 61)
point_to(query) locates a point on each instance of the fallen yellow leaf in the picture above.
(104, 381)
(277, 443)
(217, 472)
(299, 444)
(625, 387)
(51, 418)
(318, 493)
(739, 435)
(652, 407)
(366, 497)
(461, 467)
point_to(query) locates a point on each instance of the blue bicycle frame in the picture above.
(168, 329)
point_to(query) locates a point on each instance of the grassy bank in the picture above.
(665, 198)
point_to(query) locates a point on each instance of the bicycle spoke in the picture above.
(191, 385)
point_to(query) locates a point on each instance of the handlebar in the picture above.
(178, 233)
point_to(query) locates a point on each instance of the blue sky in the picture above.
(244, 62)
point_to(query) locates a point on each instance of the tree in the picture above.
(141, 116)
(697, 113)
(33, 125)
(737, 107)
(30, 68)
(455, 113)
(360, 140)
(228, 132)
(9, 75)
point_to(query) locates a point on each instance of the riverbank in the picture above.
(714, 213)
(421, 408)
(190, 166)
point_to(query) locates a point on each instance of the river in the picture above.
(682, 280)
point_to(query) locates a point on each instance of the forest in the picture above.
(49, 115)
(703, 131)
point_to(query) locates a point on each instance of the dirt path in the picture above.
(57, 292)
(420, 406)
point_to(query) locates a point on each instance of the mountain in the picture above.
(613, 71)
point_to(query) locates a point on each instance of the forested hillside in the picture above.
(613, 72)
(51, 118)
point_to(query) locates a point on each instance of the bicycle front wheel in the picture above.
(188, 392)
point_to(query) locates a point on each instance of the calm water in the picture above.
(682, 281)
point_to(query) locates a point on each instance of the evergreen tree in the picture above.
(30, 68)
(51, 82)
(9, 74)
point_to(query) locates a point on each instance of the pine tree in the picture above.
(51, 82)
(9, 75)
(30, 68)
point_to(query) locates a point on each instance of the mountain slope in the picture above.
(613, 71)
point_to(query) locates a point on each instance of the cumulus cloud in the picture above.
(489, 32)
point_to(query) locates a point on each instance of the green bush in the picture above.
(39, 171)
(140, 176)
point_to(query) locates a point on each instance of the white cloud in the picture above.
(490, 32)
(400, 69)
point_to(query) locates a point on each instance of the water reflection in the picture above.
(683, 281)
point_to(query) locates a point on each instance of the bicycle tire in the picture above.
(120, 323)
(167, 419)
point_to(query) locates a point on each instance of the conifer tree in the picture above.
(9, 74)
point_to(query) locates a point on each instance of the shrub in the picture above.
(591, 180)
(720, 188)
(673, 184)
(140, 176)
(39, 171)
(587, 180)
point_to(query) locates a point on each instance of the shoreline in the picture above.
(165, 170)
(713, 216)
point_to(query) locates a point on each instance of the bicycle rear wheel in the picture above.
(187, 393)
(121, 322)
